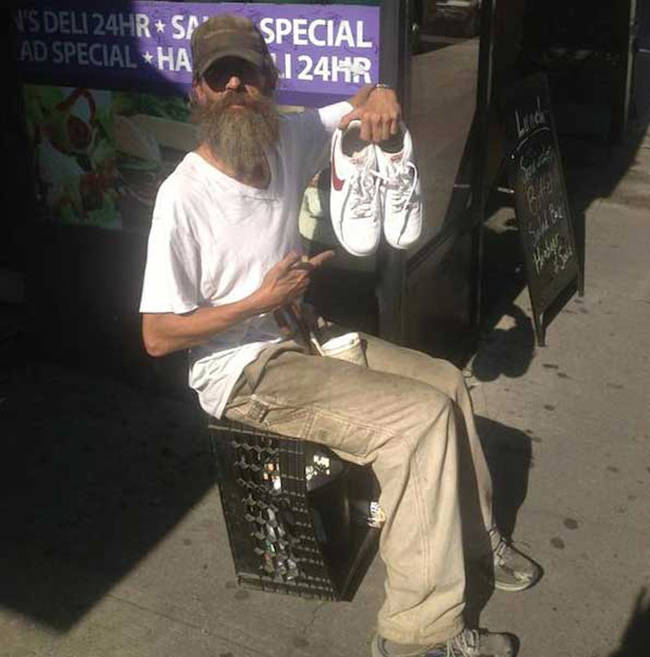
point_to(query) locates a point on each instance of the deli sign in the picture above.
(323, 52)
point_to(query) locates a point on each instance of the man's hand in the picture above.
(287, 280)
(379, 113)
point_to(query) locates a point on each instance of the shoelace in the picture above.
(501, 560)
(500, 550)
(402, 180)
(364, 188)
(464, 645)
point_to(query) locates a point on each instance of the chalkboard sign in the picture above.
(535, 175)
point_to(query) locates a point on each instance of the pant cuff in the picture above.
(440, 635)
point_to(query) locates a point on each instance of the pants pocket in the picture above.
(342, 434)
(307, 423)
(255, 411)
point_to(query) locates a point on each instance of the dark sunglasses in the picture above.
(218, 75)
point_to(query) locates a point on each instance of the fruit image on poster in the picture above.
(101, 155)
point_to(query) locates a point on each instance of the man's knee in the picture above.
(435, 410)
(451, 380)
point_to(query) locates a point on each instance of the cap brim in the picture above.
(251, 56)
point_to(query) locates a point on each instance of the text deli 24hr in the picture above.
(319, 33)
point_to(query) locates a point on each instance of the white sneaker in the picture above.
(400, 196)
(354, 196)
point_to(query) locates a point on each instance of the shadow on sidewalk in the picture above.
(508, 454)
(506, 351)
(95, 475)
(636, 639)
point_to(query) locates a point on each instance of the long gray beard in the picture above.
(239, 137)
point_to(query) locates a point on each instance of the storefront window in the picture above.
(444, 71)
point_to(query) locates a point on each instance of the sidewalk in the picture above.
(113, 543)
(584, 401)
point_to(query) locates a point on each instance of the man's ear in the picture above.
(270, 75)
(198, 93)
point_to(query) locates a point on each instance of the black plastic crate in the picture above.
(297, 515)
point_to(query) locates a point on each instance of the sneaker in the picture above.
(469, 643)
(513, 571)
(354, 196)
(381, 647)
(400, 196)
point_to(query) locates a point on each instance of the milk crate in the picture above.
(300, 520)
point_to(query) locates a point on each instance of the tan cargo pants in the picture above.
(402, 414)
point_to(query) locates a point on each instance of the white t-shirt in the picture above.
(213, 239)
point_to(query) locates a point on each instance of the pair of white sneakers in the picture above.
(374, 185)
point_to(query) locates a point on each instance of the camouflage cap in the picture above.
(227, 35)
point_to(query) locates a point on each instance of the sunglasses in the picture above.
(220, 73)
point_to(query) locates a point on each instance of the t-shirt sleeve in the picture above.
(314, 129)
(172, 272)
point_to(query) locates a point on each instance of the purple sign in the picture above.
(323, 52)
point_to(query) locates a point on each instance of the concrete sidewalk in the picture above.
(584, 401)
(113, 543)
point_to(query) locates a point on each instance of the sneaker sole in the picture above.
(350, 250)
(515, 587)
(336, 227)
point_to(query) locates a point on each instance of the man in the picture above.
(224, 254)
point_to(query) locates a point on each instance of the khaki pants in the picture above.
(403, 414)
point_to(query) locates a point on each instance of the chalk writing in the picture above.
(542, 207)
(534, 159)
(538, 190)
(553, 249)
(527, 122)
(547, 219)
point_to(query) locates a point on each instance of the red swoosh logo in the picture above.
(337, 183)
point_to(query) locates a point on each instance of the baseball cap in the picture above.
(226, 35)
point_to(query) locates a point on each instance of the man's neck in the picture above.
(259, 178)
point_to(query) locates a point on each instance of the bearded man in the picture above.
(224, 255)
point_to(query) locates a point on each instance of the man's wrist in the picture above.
(255, 304)
(361, 97)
